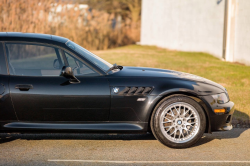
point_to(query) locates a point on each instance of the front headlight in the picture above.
(221, 98)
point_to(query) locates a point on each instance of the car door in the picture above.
(39, 93)
(7, 112)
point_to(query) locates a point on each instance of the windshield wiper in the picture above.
(115, 66)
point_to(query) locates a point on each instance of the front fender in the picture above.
(183, 92)
(193, 87)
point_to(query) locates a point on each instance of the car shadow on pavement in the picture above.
(234, 133)
(243, 121)
(4, 137)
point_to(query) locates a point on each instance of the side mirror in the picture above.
(67, 72)
(56, 64)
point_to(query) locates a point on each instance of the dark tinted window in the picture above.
(3, 69)
(78, 67)
(41, 60)
(104, 65)
(32, 60)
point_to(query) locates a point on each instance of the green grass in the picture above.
(234, 77)
(46, 61)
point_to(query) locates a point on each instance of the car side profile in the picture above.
(50, 84)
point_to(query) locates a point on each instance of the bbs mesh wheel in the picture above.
(178, 121)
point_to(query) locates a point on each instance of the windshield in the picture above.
(104, 65)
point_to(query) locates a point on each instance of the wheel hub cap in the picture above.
(179, 122)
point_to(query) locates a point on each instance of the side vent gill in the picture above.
(140, 91)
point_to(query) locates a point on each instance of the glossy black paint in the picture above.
(50, 100)
(7, 112)
(53, 104)
(218, 121)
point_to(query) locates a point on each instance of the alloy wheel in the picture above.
(179, 122)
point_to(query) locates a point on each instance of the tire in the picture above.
(178, 121)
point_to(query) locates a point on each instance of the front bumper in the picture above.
(222, 121)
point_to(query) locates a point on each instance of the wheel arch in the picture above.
(189, 94)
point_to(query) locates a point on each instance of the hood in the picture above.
(154, 72)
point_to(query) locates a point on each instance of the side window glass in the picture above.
(79, 67)
(3, 68)
(33, 60)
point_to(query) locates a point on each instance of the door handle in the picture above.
(24, 87)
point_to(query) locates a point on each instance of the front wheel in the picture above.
(178, 121)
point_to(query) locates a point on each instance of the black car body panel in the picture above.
(49, 100)
(54, 105)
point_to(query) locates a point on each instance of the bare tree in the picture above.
(91, 29)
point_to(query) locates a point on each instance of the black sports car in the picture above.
(50, 84)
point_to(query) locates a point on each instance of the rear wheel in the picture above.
(178, 121)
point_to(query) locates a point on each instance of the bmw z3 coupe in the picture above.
(51, 84)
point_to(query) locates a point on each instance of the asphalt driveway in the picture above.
(220, 148)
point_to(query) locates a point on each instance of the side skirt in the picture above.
(117, 127)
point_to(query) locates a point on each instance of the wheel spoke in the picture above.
(177, 111)
(172, 112)
(189, 116)
(169, 129)
(169, 115)
(166, 118)
(169, 121)
(184, 112)
(187, 130)
(175, 133)
(172, 132)
(190, 124)
(180, 133)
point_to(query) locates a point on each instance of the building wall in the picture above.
(193, 25)
(242, 32)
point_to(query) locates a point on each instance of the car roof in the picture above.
(33, 36)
